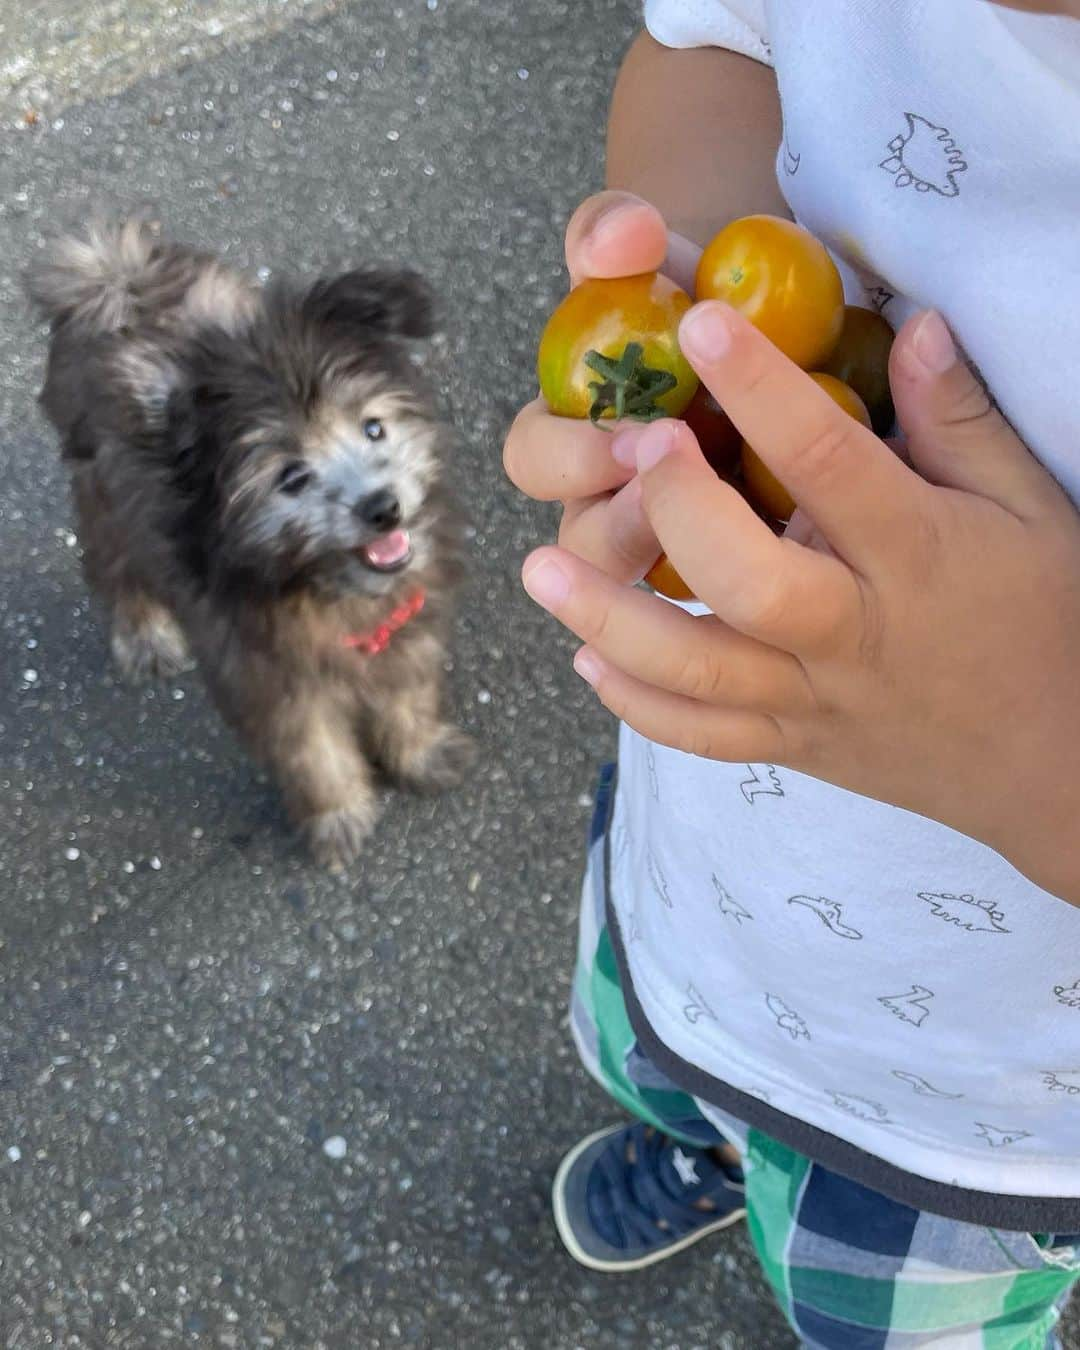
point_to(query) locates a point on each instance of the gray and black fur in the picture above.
(237, 458)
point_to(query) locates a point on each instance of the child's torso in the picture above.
(876, 975)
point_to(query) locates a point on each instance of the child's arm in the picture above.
(695, 133)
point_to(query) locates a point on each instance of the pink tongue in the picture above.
(389, 549)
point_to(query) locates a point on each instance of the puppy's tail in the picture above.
(99, 281)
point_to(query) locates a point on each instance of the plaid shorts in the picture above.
(852, 1269)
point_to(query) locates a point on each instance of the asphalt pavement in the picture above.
(243, 1103)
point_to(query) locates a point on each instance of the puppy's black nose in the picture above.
(382, 510)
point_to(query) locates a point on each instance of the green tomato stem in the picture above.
(627, 386)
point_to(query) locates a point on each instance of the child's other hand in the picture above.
(921, 646)
(592, 472)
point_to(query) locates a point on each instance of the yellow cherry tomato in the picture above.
(662, 577)
(782, 279)
(861, 359)
(763, 489)
(611, 349)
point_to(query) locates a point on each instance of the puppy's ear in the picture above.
(167, 408)
(155, 382)
(373, 302)
(186, 422)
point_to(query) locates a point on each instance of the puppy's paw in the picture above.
(153, 649)
(440, 764)
(336, 838)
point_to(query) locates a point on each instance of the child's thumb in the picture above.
(615, 234)
(956, 436)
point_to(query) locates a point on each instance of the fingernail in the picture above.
(588, 665)
(624, 444)
(547, 583)
(933, 345)
(654, 443)
(705, 332)
(609, 225)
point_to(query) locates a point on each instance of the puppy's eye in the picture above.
(374, 429)
(294, 477)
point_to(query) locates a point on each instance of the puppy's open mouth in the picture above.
(389, 553)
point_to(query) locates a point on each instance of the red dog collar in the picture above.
(379, 638)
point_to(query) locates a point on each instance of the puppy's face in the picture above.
(332, 495)
(306, 447)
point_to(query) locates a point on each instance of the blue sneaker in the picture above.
(628, 1196)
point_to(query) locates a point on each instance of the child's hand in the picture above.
(592, 471)
(922, 646)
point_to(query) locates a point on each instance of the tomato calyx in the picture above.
(627, 386)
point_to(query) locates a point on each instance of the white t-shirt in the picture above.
(868, 985)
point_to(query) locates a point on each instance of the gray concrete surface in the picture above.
(54, 51)
(187, 1010)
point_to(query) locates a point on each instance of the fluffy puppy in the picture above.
(257, 481)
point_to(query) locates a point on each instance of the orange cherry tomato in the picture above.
(662, 577)
(611, 349)
(715, 432)
(861, 359)
(764, 490)
(782, 279)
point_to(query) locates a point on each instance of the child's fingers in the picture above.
(775, 590)
(558, 458)
(612, 533)
(682, 260)
(956, 435)
(684, 723)
(858, 492)
(661, 644)
(615, 234)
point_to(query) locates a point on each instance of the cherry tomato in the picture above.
(611, 349)
(662, 577)
(764, 490)
(715, 432)
(782, 279)
(861, 359)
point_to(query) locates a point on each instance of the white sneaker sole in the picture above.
(582, 1257)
